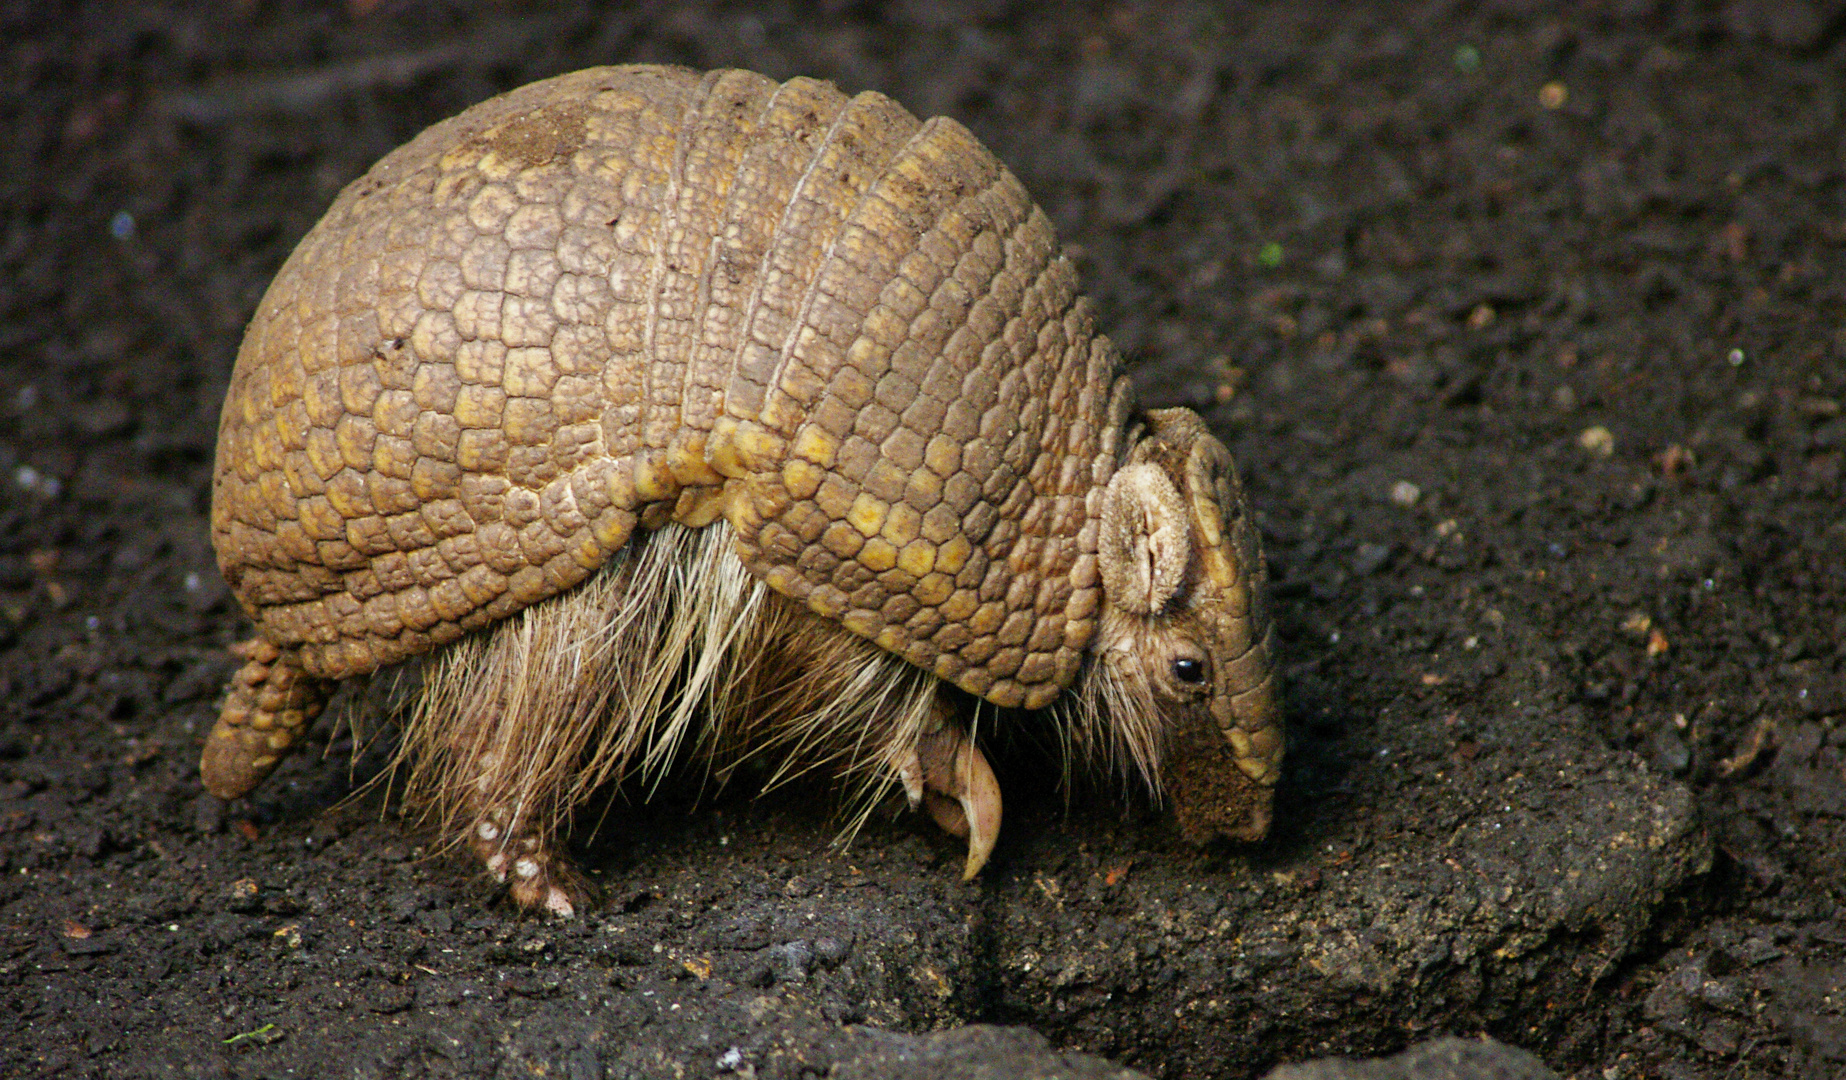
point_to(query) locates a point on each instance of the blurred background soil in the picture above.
(1514, 315)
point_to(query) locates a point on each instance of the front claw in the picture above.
(959, 790)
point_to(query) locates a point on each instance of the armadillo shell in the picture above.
(637, 294)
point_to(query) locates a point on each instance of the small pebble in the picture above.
(244, 895)
(794, 959)
(1669, 752)
(1553, 95)
(1675, 459)
(833, 951)
(122, 225)
(405, 905)
(208, 815)
(1404, 493)
(1597, 440)
(1370, 558)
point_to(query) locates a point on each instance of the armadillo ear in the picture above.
(1146, 539)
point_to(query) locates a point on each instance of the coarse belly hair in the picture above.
(674, 650)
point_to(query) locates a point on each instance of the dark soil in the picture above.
(1528, 331)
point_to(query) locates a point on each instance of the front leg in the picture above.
(946, 773)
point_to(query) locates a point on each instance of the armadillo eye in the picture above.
(1188, 670)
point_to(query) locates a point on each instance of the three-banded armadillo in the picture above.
(672, 409)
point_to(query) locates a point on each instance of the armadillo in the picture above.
(669, 415)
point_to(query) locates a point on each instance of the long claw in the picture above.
(961, 794)
(980, 805)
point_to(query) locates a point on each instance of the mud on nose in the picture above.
(1210, 790)
(1223, 766)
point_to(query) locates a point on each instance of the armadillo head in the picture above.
(1185, 643)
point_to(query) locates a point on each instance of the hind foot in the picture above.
(537, 877)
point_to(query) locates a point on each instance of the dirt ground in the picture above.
(1527, 332)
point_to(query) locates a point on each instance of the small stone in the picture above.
(832, 951)
(794, 959)
(405, 905)
(1405, 494)
(80, 940)
(1370, 558)
(244, 895)
(390, 999)
(1675, 459)
(1668, 752)
(1597, 440)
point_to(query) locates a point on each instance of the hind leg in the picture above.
(522, 854)
(479, 777)
(516, 726)
(503, 809)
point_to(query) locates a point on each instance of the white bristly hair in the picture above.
(611, 680)
(1108, 723)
